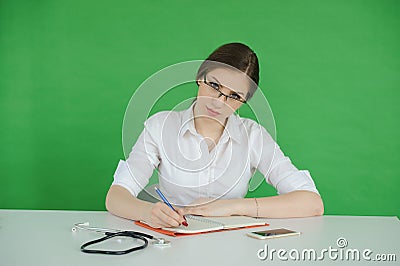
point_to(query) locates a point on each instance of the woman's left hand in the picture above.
(212, 207)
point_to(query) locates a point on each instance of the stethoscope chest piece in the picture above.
(161, 242)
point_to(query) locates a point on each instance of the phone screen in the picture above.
(274, 232)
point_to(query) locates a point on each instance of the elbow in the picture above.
(111, 206)
(318, 205)
(309, 204)
(108, 201)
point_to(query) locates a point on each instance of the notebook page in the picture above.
(197, 224)
(237, 221)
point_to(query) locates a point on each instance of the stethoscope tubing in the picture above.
(136, 235)
(109, 233)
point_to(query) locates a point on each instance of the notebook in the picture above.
(201, 224)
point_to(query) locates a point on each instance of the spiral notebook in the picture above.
(201, 224)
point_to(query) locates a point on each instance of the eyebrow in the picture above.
(238, 92)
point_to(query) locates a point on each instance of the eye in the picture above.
(214, 85)
(235, 96)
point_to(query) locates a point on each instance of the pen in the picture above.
(169, 204)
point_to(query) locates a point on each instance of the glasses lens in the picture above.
(215, 89)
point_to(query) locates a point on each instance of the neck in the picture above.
(207, 125)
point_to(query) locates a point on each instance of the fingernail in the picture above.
(185, 223)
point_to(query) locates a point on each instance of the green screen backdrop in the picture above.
(330, 70)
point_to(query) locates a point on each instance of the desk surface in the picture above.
(45, 238)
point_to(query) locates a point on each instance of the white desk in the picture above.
(45, 238)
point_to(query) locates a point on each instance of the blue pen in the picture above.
(169, 204)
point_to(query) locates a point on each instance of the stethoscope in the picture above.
(110, 233)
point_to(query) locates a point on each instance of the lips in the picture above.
(212, 112)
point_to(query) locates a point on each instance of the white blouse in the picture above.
(187, 170)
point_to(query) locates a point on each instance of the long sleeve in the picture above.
(275, 166)
(134, 173)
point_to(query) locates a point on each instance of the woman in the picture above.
(207, 154)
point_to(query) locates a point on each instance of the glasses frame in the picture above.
(221, 93)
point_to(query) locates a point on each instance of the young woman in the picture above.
(207, 154)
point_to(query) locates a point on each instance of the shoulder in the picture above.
(253, 130)
(250, 125)
(161, 119)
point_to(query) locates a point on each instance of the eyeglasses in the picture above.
(216, 89)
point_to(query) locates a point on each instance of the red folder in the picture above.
(171, 233)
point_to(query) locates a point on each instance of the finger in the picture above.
(172, 213)
(169, 217)
(156, 222)
(163, 220)
(181, 212)
(160, 218)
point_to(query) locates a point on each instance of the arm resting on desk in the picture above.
(299, 203)
(122, 203)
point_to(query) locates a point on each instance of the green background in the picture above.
(330, 70)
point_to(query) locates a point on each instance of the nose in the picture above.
(219, 101)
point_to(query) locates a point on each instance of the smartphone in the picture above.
(273, 233)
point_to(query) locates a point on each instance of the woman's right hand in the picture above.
(163, 216)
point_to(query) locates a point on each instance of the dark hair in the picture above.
(236, 55)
